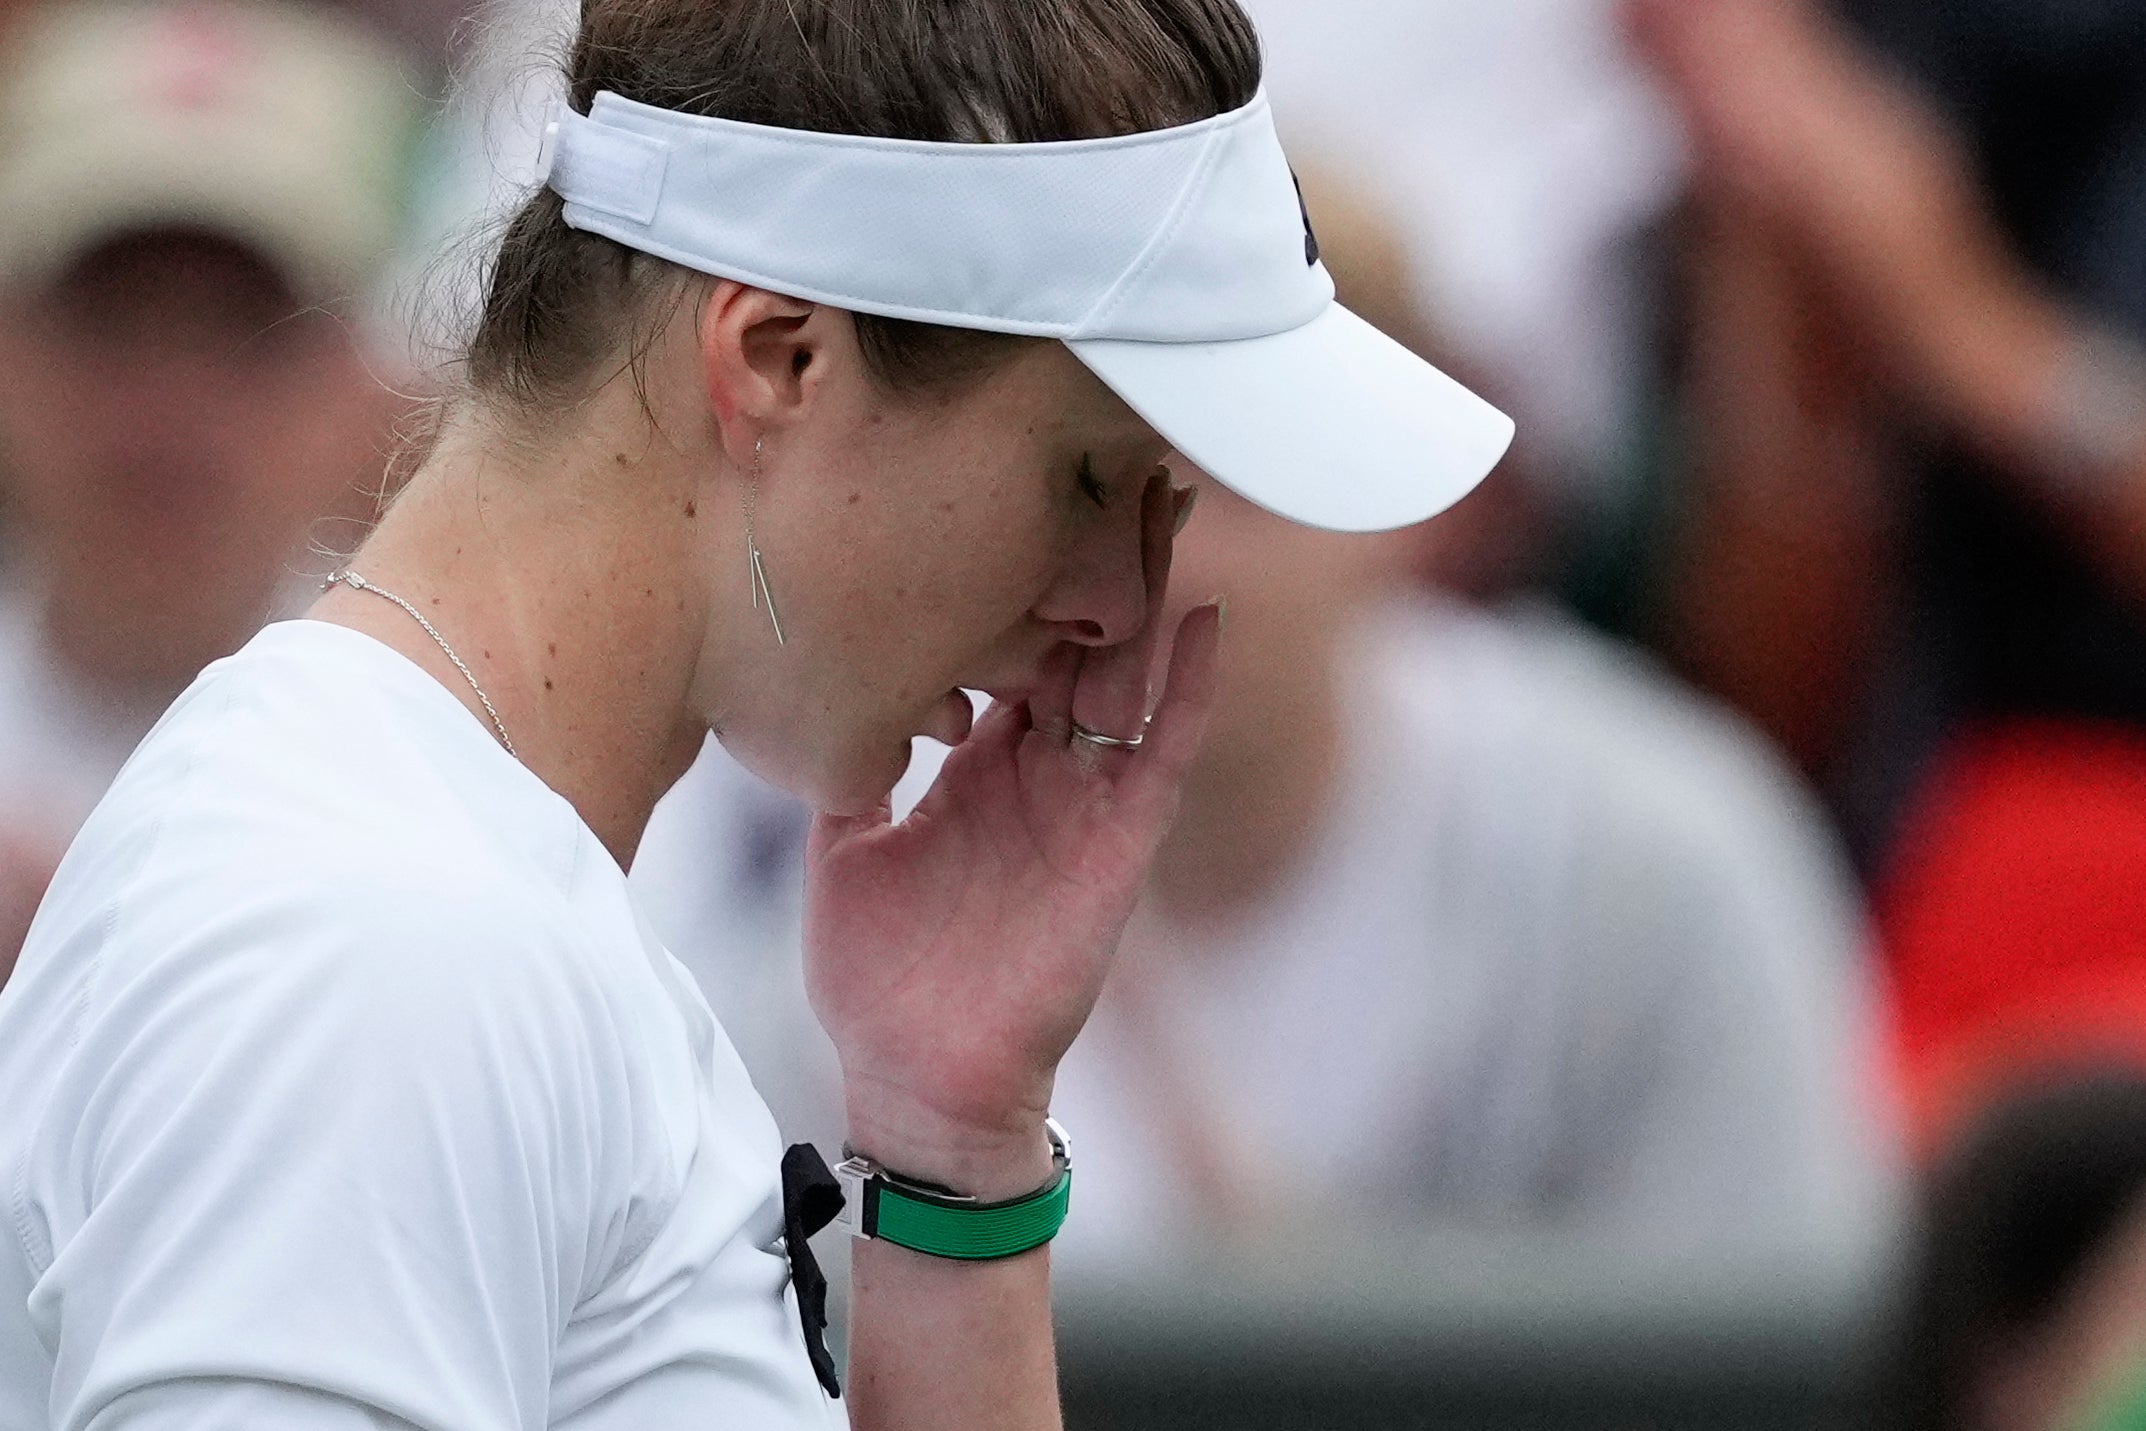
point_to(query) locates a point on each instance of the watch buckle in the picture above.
(853, 1173)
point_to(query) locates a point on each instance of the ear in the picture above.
(760, 355)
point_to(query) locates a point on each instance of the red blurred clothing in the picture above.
(2014, 915)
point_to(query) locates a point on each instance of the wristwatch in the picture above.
(935, 1220)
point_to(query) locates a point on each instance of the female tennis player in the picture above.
(832, 371)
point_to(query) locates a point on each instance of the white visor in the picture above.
(1178, 264)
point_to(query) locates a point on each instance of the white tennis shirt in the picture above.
(342, 1085)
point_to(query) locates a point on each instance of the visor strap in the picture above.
(604, 168)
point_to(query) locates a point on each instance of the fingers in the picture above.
(998, 733)
(1001, 725)
(1112, 695)
(1188, 696)
(830, 831)
(1050, 704)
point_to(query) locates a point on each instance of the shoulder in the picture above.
(218, 907)
(380, 1014)
(387, 1068)
(432, 924)
(326, 973)
(276, 815)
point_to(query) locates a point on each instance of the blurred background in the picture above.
(1662, 945)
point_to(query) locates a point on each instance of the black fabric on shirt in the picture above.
(811, 1197)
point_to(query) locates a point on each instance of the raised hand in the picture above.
(953, 957)
(1814, 137)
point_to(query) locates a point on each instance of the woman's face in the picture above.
(916, 544)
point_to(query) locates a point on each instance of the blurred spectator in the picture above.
(1966, 652)
(1521, 150)
(184, 188)
(481, 164)
(1528, 159)
(2027, 1309)
(1469, 920)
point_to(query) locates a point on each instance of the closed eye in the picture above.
(1090, 485)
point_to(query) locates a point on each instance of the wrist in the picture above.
(879, 1204)
(988, 1156)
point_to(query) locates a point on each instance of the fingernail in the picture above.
(1184, 497)
(1221, 606)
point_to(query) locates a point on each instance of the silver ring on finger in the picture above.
(1108, 742)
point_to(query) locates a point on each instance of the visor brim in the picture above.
(1332, 424)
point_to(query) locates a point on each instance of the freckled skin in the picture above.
(980, 552)
(1005, 522)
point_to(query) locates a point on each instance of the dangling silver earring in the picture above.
(756, 568)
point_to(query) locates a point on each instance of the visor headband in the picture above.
(1192, 234)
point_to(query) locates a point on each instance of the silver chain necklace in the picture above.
(351, 579)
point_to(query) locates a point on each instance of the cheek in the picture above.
(950, 574)
(999, 559)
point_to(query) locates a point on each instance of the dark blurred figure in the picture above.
(1917, 549)
(2027, 1311)
(191, 194)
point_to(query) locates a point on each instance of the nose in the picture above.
(1101, 598)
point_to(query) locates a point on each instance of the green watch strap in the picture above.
(973, 1232)
(939, 1222)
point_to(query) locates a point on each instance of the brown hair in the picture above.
(560, 302)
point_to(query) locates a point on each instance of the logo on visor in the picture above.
(1311, 239)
